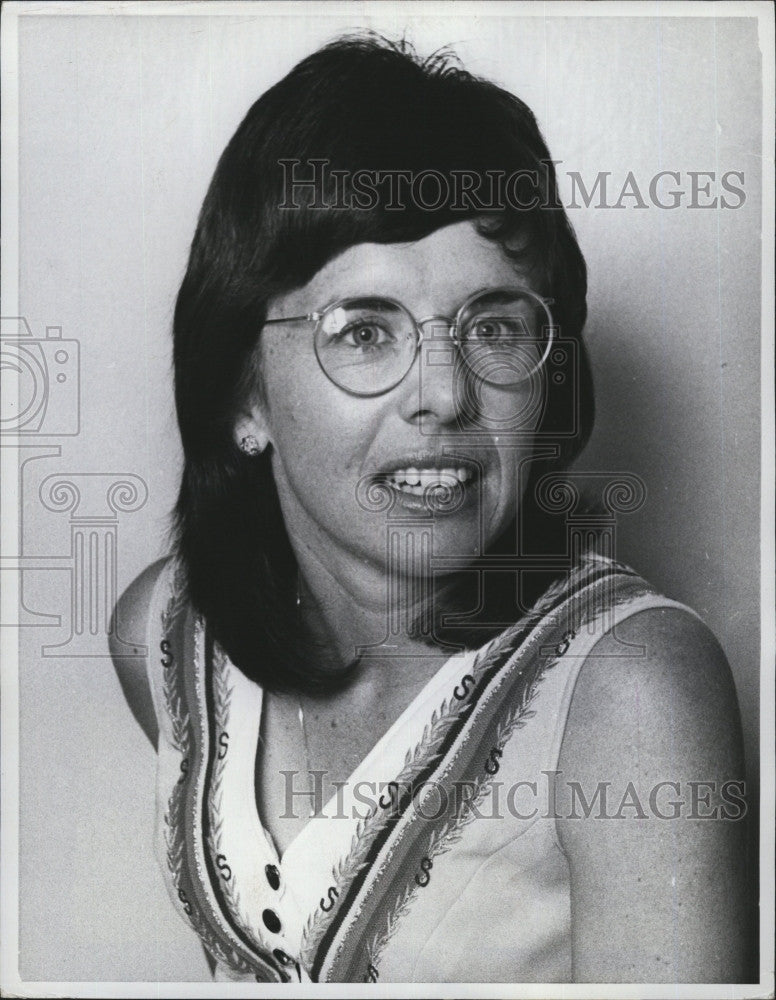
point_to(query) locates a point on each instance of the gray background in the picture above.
(122, 119)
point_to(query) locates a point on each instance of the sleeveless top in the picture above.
(438, 861)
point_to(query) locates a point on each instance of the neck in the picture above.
(350, 609)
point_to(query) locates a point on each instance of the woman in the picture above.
(410, 728)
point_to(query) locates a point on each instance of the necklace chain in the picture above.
(299, 697)
(300, 716)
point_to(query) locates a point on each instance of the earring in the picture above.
(250, 446)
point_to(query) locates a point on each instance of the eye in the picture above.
(366, 335)
(496, 330)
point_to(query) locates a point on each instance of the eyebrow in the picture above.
(370, 301)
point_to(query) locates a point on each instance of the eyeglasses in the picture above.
(368, 345)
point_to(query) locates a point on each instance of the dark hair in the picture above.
(358, 103)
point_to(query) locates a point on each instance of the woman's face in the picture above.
(351, 469)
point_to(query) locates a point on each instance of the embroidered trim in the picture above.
(223, 691)
(222, 696)
(348, 867)
(180, 723)
(427, 754)
(247, 958)
(576, 607)
(174, 817)
(451, 831)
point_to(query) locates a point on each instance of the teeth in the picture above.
(416, 481)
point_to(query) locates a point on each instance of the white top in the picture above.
(453, 874)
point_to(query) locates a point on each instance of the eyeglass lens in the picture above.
(367, 346)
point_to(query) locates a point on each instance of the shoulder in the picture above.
(658, 680)
(128, 637)
(652, 747)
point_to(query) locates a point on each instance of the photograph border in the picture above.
(12, 983)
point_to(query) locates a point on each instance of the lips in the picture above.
(417, 481)
(424, 475)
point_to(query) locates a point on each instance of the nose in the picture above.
(430, 390)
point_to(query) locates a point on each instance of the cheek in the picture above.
(508, 411)
(316, 430)
(512, 416)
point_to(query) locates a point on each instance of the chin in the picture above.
(430, 544)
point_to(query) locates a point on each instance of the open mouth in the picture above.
(424, 482)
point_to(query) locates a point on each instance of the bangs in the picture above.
(367, 146)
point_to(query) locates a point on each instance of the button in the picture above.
(282, 957)
(271, 921)
(273, 876)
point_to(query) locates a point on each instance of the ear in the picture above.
(252, 423)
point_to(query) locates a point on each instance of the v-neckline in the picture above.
(388, 745)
